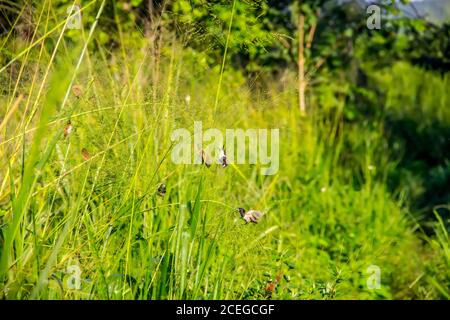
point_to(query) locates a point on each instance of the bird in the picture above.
(250, 216)
(162, 190)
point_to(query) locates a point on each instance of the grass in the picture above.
(329, 211)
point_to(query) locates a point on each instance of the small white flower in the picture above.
(187, 99)
(371, 167)
(323, 189)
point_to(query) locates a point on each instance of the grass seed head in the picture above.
(86, 155)
(68, 129)
(77, 90)
(206, 159)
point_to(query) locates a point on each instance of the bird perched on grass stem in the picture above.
(162, 190)
(250, 216)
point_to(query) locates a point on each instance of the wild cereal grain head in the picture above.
(206, 159)
(85, 153)
(68, 129)
(77, 90)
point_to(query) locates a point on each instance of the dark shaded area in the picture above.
(424, 168)
(432, 48)
(418, 145)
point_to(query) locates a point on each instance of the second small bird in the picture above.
(250, 215)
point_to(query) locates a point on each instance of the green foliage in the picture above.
(357, 173)
(205, 23)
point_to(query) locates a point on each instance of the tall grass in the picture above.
(329, 214)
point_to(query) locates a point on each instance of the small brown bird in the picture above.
(162, 190)
(77, 90)
(68, 129)
(86, 155)
(250, 216)
(223, 157)
(206, 159)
